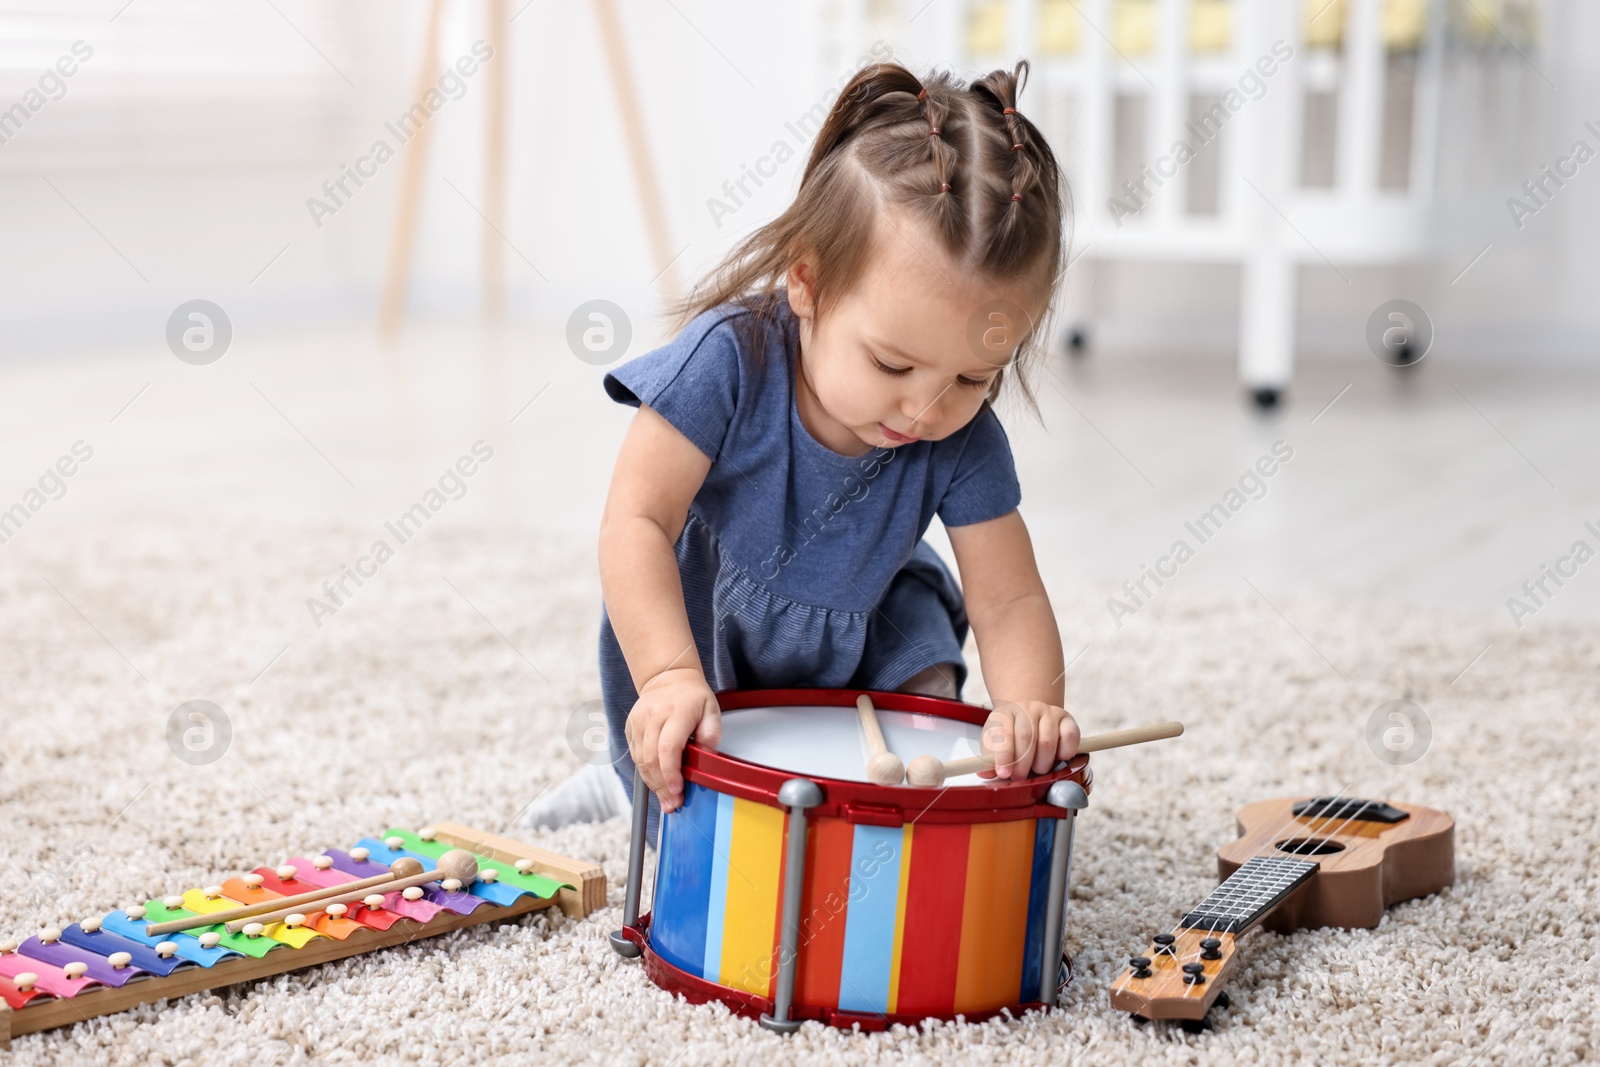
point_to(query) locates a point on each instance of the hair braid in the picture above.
(946, 161)
(955, 158)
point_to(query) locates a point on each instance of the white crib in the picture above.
(1333, 162)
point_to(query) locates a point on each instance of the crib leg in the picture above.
(797, 794)
(1266, 326)
(630, 905)
(1070, 797)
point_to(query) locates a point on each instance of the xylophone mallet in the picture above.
(403, 867)
(884, 767)
(456, 864)
(931, 772)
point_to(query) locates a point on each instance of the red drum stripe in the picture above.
(822, 913)
(935, 893)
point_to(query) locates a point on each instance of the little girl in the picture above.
(831, 394)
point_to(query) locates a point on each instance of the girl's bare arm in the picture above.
(657, 474)
(1018, 643)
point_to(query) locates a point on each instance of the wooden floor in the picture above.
(1445, 485)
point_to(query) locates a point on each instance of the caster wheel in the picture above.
(1266, 397)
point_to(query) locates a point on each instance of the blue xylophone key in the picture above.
(103, 942)
(469, 899)
(189, 946)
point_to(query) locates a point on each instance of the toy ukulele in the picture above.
(1322, 861)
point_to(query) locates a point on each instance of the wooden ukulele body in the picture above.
(1355, 884)
(1300, 862)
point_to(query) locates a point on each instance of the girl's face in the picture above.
(910, 352)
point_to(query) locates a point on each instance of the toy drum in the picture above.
(790, 887)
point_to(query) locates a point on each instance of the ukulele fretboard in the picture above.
(1248, 894)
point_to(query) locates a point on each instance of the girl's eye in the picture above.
(973, 383)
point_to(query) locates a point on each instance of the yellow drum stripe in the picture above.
(900, 918)
(750, 918)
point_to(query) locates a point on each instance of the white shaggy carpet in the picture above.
(410, 706)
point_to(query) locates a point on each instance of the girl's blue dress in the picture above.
(801, 566)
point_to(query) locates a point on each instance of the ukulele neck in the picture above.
(1248, 894)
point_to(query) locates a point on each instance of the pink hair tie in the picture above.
(1016, 196)
(944, 187)
(923, 95)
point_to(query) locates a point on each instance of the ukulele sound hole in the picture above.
(1309, 846)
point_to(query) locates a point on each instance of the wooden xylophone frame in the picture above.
(588, 893)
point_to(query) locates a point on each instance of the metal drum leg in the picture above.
(1070, 797)
(630, 907)
(798, 795)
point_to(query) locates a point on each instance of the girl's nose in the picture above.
(923, 409)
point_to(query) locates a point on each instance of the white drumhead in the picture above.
(827, 741)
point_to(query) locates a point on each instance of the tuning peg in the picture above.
(1194, 973)
(1140, 965)
(1209, 947)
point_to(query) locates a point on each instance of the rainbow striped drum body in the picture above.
(913, 903)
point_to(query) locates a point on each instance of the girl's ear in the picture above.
(801, 280)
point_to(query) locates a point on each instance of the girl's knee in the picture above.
(938, 680)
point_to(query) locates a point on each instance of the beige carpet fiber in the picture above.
(426, 698)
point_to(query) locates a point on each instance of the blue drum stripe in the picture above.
(1038, 892)
(717, 907)
(683, 882)
(870, 920)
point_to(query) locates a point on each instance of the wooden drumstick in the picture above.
(456, 863)
(884, 767)
(930, 771)
(401, 868)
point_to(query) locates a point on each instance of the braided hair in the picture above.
(960, 159)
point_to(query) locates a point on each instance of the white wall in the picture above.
(194, 136)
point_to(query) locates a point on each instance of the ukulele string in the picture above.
(1306, 815)
(1178, 926)
(1269, 844)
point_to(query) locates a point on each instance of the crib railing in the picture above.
(1309, 128)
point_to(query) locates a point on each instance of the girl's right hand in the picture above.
(673, 705)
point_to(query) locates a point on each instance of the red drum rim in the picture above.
(698, 990)
(866, 802)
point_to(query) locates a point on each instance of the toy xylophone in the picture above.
(380, 892)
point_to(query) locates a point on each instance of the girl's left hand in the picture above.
(1027, 737)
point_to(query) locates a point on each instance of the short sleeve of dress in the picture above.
(985, 483)
(693, 380)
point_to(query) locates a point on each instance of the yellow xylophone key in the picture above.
(201, 902)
